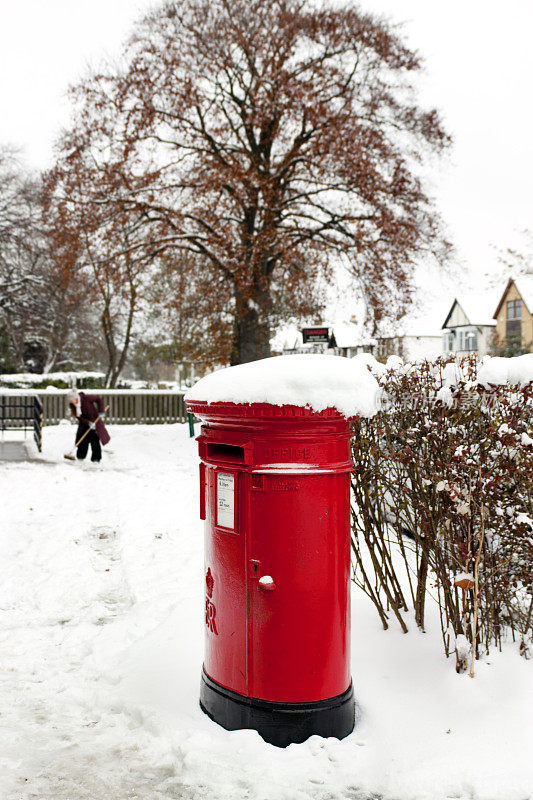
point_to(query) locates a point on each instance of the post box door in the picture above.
(299, 578)
(225, 579)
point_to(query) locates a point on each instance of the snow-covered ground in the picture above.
(101, 641)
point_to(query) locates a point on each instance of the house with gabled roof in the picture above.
(514, 316)
(468, 327)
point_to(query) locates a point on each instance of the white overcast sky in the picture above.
(479, 73)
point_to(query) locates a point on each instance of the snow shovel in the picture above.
(72, 456)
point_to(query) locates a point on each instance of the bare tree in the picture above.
(18, 251)
(272, 139)
(97, 248)
(42, 319)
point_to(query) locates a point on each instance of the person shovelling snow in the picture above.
(89, 411)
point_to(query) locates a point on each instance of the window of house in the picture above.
(514, 309)
(471, 341)
(513, 327)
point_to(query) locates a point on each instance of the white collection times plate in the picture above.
(226, 500)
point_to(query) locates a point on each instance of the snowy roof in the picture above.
(420, 321)
(524, 285)
(418, 331)
(349, 334)
(477, 307)
(346, 334)
(313, 381)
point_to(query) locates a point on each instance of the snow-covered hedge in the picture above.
(447, 463)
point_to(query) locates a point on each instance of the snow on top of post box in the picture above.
(313, 381)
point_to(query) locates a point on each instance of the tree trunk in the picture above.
(119, 365)
(251, 334)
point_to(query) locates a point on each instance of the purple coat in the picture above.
(91, 406)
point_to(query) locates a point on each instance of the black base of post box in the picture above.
(280, 724)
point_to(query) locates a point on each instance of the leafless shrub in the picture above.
(442, 492)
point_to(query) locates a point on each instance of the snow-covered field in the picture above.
(101, 627)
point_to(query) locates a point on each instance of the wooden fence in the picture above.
(126, 407)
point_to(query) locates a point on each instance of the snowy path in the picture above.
(65, 598)
(101, 638)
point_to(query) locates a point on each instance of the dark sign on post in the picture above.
(315, 335)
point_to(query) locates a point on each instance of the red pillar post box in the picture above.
(274, 483)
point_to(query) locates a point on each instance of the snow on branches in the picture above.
(443, 479)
